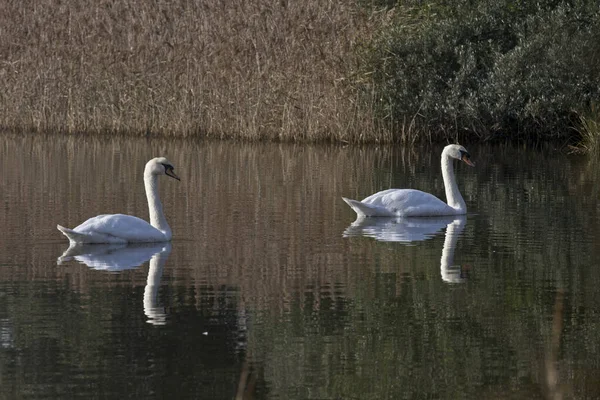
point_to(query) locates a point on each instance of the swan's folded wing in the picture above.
(127, 227)
(409, 203)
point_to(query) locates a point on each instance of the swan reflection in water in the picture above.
(120, 257)
(416, 229)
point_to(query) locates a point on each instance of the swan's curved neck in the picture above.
(453, 196)
(157, 218)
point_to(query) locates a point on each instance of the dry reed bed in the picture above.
(247, 69)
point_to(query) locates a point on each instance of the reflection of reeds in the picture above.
(243, 193)
(229, 193)
(253, 69)
(260, 216)
(259, 195)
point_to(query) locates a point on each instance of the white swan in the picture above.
(119, 228)
(415, 203)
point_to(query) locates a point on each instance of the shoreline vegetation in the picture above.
(317, 71)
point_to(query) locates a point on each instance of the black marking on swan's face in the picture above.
(169, 171)
(466, 157)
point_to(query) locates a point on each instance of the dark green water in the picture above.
(269, 292)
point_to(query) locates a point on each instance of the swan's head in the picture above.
(160, 166)
(458, 152)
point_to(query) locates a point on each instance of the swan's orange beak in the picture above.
(467, 160)
(172, 174)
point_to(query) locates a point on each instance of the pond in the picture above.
(269, 290)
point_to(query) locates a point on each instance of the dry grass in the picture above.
(588, 132)
(252, 69)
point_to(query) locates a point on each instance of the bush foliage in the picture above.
(491, 70)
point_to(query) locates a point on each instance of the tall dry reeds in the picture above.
(251, 69)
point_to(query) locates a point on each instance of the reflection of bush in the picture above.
(494, 69)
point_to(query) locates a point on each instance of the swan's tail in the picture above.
(74, 237)
(365, 210)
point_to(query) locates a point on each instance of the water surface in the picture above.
(271, 290)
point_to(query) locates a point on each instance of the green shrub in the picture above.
(490, 70)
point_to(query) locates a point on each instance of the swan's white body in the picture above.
(120, 228)
(415, 203)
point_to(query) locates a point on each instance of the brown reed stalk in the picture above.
(252, 69)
